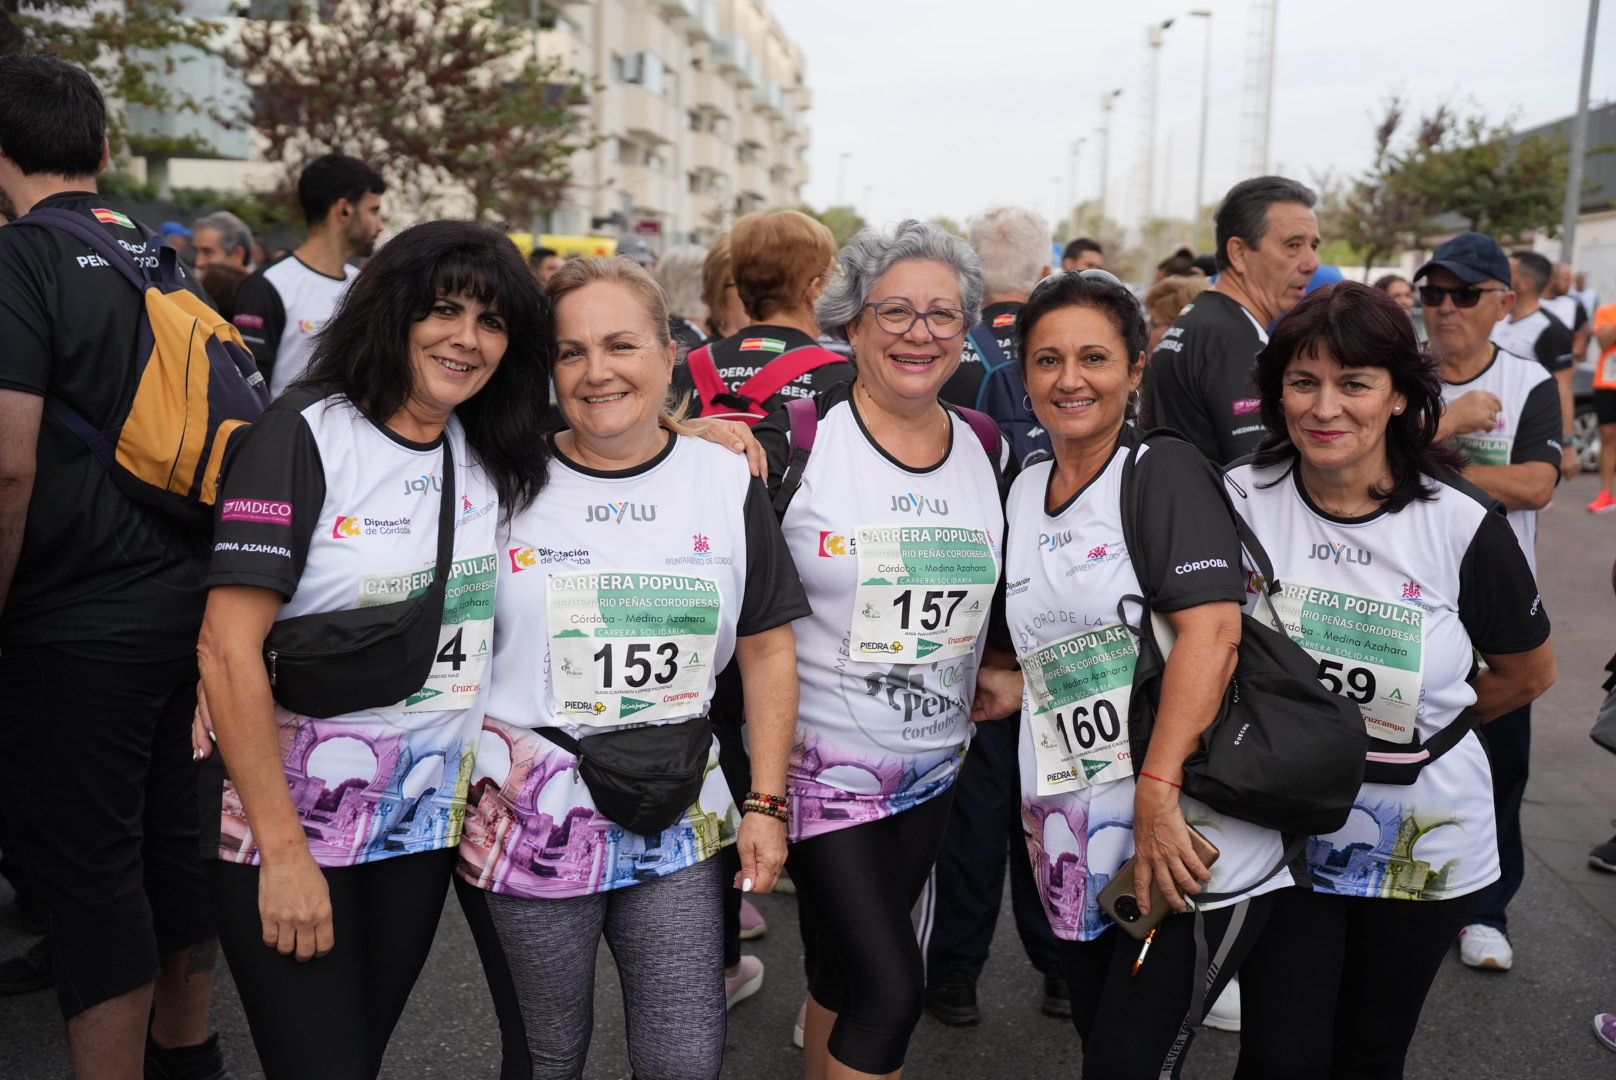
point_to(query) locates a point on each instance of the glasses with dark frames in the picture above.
(897, 318)
(1465, 296)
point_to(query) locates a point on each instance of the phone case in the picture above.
(1121, 887)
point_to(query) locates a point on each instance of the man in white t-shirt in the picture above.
(1533, 331)
(282, 306)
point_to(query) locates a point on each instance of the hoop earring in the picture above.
(1026, 402)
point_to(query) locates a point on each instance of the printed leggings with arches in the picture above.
(666, 936)
(1139, 1026)
(332, 1016)
(856, 887)
(1334, 988)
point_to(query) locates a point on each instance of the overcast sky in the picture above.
(950, 106)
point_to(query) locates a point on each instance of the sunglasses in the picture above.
(1465, 296)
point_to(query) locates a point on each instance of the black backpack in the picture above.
(1284, 752)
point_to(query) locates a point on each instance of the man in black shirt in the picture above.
(1198, 382)
(1533, 331)
(100, 605)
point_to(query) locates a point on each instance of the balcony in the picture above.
(752, 178)
(709, 153)
(736, 61)
(700, 18)
(646, 116)
(769, 98)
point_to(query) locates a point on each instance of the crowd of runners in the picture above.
(612, 591)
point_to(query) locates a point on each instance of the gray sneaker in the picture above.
(1603, 857)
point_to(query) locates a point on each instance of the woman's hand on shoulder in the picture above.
(735, 436)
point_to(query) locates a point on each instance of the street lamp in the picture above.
(1071, 173)
(1108, 101)
(1206, 108)
(1153, 37)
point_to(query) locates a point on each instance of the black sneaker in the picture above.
(1603, 857)
(204, 1061)
(1057, 999)
(28, 971)
(954, 1002)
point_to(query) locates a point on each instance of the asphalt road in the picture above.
(1533, 1022)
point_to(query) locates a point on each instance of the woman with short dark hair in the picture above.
(1068, 569)
(1395, 575)
(339, 834)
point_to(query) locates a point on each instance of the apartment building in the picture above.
(702, 115)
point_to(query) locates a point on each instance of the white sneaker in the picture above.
(1485, 949)
(746, 981)
(802, 1022)
(1225, 1012)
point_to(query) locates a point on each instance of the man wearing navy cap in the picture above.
(1502, 412)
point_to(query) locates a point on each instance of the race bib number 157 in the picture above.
(923, 593)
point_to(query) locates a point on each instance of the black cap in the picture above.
(1471, 257)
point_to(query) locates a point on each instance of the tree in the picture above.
(948, 224)
(1378, 214)
(131, 49)
(436, 95)
(842, 221)
(1496, 183)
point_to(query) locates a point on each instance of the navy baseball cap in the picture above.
(174, 228)
(1471, 257)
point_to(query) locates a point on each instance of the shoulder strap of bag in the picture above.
(993, 357)
(446, 518)
(704, 373)
(561, 739)
(802, 422)
(783, 370)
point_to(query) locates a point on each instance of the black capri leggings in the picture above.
(331, 1017)
(856, 887)
(1139, 1026)
(1335, 986)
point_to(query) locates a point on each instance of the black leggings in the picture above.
(331, 1017)
(1139, 1026)
(856, 887)
(1341, 979)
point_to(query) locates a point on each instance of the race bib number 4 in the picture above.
(630, 647)
(1079, 689)
(1369, 651)
(923, 593)
(463, 637)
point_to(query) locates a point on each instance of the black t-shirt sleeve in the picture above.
(1499, 603)
(271, 499)
(774, 432)
(1554, 346)
(774, 592)
(261, 318)
(25, 331)
(1190, 550)
(1537, 436)
(1173, 396)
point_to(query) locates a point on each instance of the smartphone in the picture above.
(1117, 899)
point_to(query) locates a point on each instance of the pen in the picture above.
(1143, 949)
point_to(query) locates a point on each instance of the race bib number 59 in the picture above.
(1369, 651)
(630, 647)
(923, 593)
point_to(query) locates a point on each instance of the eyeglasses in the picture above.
(896, 318)
(1465, 296)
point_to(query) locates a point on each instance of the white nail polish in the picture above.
(746, 884)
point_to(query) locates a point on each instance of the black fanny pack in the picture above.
(643, 778)
(334, 662)
(1400, 763)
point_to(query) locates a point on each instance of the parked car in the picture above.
(1586, 422)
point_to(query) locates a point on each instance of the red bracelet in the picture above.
(1162, 780)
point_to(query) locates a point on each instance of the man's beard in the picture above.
(8, 209)
(360, 241)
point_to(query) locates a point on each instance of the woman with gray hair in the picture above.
(895, 522)
(679, 274)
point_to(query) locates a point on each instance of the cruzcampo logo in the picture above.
(924, 648)
(1092, 767)
(633, 705)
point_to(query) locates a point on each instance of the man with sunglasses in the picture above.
(1502, 412)
(1198, 381)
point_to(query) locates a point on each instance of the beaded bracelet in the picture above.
(758, 796)
(758, 806)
